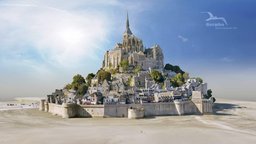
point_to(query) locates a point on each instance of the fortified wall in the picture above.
(194, 106)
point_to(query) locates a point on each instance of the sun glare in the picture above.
(71, 36)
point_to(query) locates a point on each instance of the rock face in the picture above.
(132, 50)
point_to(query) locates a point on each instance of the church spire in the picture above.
(128, 31)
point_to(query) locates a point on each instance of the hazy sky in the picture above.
(43, 43)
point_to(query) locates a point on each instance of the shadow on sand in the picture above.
(222, 108)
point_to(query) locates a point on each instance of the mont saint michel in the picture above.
(127, 72)
(133, 82)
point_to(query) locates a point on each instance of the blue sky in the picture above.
(43, 43)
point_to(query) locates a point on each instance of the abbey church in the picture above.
(132, 50)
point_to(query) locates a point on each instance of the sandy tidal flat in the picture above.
(233, 122)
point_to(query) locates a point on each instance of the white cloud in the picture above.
(60, 37)
(182, 38)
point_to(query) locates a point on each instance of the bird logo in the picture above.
(212, 17)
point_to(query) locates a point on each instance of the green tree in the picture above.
(185, 76)
(178, 80)
(89, 78)
(68, 87)
(103, 75)
(200, 80)
(175, 69)
(168, 67)
(78, 84)
(209, 94)
(82, 89)
(157, 76)
(77, 81)
(113, 71)
(124, 65)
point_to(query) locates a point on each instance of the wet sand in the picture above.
(233, 122)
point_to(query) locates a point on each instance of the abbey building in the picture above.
(132, 50)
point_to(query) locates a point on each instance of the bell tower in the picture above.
(127, 30)
(127, 43)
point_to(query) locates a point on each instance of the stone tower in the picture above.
(130, 42)
(127, 30)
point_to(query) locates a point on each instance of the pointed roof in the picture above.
(128, 30)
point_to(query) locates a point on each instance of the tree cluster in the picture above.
(175, 68)
(157, 76)
(78, 84)
(179, 79)
(89, 78)
(103, 75)
(200, 80)
(209, 95)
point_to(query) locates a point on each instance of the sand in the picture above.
(234, 122)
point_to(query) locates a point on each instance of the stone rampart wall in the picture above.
(55, 109)
(90, 111)
(121, 110)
